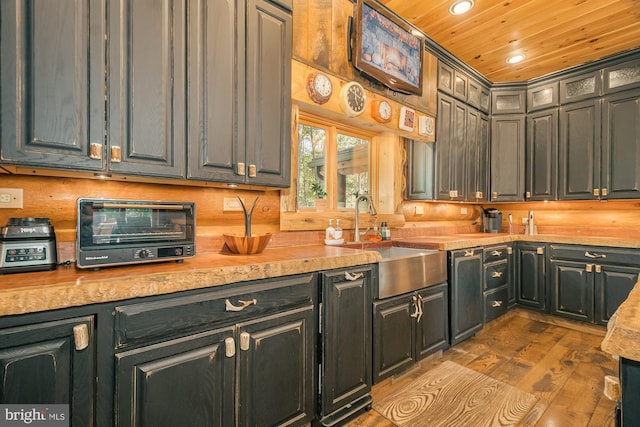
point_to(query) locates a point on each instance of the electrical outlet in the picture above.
(231, 204)
(525, 220)
(10, 198)
(419, 210)
(463, 211)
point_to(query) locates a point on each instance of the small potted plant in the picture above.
(321, 196)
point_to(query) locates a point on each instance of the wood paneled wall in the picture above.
(55, 198)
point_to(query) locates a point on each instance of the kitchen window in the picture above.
(333, 165)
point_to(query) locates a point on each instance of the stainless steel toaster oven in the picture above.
(119, 232)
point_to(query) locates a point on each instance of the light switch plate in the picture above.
(231, 204)
(10, 198)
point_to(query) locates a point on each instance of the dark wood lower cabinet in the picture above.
(466, 282)
(531, 289)
(408, 328)
(187, 381)
(51, 363)
(345, 344)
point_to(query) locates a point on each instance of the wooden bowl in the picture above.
(246, 245)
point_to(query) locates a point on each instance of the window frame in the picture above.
(333, 129)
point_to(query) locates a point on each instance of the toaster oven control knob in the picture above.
(143, 253)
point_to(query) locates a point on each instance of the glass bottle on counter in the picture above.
(330, 232)
(385, 231)
(337, 233)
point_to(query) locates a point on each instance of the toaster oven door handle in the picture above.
(102, 205)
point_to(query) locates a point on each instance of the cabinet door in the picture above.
(183, 382)
(542, 156)
(46, 364)
(531, 282)
(346, 338)
(444, 146)
(578, 88)
(612, 287)
(477, 152)
(572, 290)
(268, 94)
(445, 78)
(579, 151)
(621, 77)
(393, 336)
(511, 101)
(451, 149)
(465, 277)
(420, 170)
(507, 158)
(277, 367)
(542, 96)
(432, 328)
(621, 146)
(147, 87)
(52, 81)
(216, 74)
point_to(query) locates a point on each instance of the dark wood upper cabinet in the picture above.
(508, 101)
(542, 155)
(52, 83)
(240, 121)
(621, 77)
(147, 88)
(543, 96)
(507, 158)
(581, 87)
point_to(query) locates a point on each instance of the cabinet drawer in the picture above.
(596, 254)
(495, 274)
(496, 303)
(496, 253)
(159, 320)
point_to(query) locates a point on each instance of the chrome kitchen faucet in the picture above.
(372, 211)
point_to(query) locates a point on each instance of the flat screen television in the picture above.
(386, 49)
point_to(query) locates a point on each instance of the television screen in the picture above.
(386, 49)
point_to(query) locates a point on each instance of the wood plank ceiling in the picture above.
(553, 34)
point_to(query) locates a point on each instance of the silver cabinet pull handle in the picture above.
(81, 336)
(244, 304)
(496, 304)
(352, 277)
(594, 255)
(419, 307)
(496, 274)
(496, 253)
(468, 252)
(588, 268)
(414, 302)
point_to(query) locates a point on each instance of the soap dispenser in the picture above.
(330, 232)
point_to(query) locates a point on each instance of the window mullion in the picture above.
(331, 166)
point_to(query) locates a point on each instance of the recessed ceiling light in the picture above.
(515, 59)
(460, 7)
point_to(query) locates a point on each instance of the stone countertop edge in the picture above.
(623, 330)
(23, 293)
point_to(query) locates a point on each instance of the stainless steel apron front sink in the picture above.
(404, 270)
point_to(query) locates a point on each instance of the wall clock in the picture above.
(407, 119)
(381, 110)
(353, 99)
(319, 87)
(426, 126)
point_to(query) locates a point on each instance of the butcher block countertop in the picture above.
(623, 329)
(453, 242)
(68, 286)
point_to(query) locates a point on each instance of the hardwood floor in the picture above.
(558, 361)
